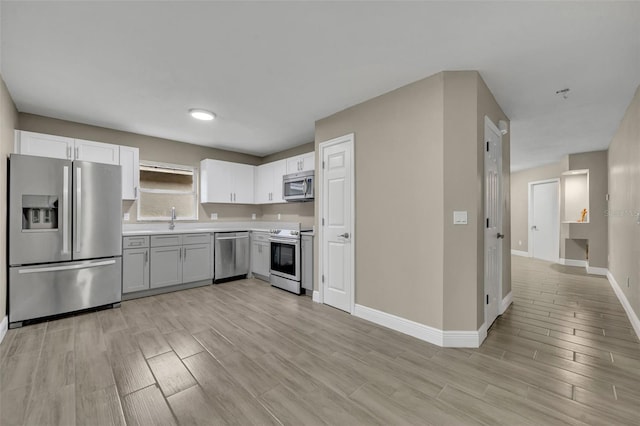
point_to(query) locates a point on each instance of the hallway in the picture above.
(567, 333)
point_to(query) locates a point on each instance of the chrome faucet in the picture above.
(172, 222)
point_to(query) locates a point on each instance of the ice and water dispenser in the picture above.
(39, 212)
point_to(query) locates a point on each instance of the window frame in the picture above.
(178, 167)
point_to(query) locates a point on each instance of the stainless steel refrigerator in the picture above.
(65, 236)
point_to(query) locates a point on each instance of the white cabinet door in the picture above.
(166, 266)
(268, 182)
(215, 182)
(242, 183)
(130, 163)
(97, 152)
(135, 270)
(263, 183)
(301, 163)
(279, 170)
(196, 263)
(40, 145)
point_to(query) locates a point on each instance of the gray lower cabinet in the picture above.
(165, 260)
(196, 262)
(135, 270)
(260, 254)
(166, 266)
(306, 263)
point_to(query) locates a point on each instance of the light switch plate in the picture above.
(127, 216)
(253, 216)
(214, 216)
(460, 218)
(279, 216)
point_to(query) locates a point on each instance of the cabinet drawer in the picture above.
(260, 236)
(196, 238)
(135, 242)
(166, 240)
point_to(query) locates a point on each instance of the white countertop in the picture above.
(198, 227)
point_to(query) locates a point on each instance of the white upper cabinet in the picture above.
(40, 145)
(130, 163)
(301, 163)
(226, 182)
(97, 152)
(268, 182)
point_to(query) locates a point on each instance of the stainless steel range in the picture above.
(285, 259)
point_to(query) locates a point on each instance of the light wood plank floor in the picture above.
(245, 353)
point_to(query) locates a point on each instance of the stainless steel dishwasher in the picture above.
(231, 255)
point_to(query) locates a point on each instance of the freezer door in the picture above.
(39, 209)
(44, 290)
(97, 210)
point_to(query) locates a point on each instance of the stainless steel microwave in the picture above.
(298, 186)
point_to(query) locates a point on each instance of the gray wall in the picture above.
(624, 204)
(595, 232)
(399, 173)
(8, 121)
(418, 157)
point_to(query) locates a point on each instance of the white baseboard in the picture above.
(4, 327)
(520, 253)
(633, 317)
(458, 339)
(594, 270)
(316, 296)
(505, 303)
(573, 262)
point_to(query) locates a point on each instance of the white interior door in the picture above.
(493, 237)
(544, 220)
(337, 223)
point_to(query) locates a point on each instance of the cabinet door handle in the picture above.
(231, 196)
(180, 253)
(185, 253)
(135, 192)
(234, 197)
(68, 153)
(146, 257)
(77, 153)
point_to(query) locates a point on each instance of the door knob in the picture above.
(500, 236)
(534, 228)
(345, 235)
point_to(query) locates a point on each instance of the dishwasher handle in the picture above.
(238, 237)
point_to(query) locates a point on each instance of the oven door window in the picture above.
(283, 258)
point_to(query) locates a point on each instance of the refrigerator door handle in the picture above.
(78, 215)
(66, 267)
(65, 210)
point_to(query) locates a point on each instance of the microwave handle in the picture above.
(304, 186)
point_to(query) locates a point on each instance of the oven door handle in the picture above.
(284, 241)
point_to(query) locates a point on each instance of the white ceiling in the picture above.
(271, 69)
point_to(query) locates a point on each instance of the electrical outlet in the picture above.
(253, 216)
(628, 280)
(127, 216)
(279, 216)
(519, 242)
(214, 216)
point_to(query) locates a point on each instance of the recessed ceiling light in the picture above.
(202, 114)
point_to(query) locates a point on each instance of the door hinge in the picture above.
(323, 221)
(322, 278)
(487, 146)
(487, 222)
(323, 164)
(487, 299)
